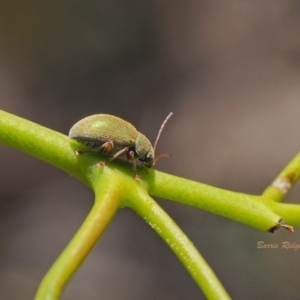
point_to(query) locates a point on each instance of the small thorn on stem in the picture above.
(280, 224)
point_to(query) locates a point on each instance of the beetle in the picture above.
(116, 137)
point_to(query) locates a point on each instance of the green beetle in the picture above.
(115, 137)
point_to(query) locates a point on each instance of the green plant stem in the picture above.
(114, 187)
(45, 144)
(247, 209)
(289, 212)
(183, 248)
(108, 197)
(58, 150)
(284, 181)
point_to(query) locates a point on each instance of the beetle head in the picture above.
(148, 160)
(148, 156)
(144, 150)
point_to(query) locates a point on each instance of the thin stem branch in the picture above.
(108, 197)
(244, 208)
(284, 181)
(183, 248)
(289, 212)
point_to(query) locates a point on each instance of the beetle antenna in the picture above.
(160, 131)
(160, 156)
(158, 136)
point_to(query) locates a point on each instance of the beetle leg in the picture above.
(130, 156)
(116, 155)
(105, 148)
(144, 167)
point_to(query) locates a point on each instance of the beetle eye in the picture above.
(148, 158)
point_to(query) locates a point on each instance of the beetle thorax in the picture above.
(144, 149)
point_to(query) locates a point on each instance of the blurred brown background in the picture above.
(229, 70)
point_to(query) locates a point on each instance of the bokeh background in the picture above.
(230, 72)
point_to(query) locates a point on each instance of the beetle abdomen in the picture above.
(90, 144)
